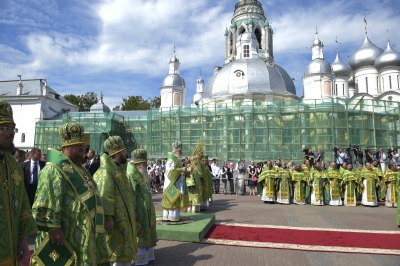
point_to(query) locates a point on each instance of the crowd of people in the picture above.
(85, 210)
(98, 210)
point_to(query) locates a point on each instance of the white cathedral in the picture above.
(250, 74)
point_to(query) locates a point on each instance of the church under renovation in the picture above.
(249, 108)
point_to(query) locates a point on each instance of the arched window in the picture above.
(22, 137)
(398, 82)
(257, 32)
(230, 43)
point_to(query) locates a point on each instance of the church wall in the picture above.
(363, 74)
(26, 114)
(341, 86)
(394, 73)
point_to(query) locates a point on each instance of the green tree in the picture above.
(84, 101)
(155, 102)
(138, 103)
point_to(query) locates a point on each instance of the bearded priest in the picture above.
(175, 196)
(119, 203)
(144, 206)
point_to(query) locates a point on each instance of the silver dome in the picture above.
(200, 79)
(317, 42)
(173, 80)
(99, 107)
(389, 57)
(340, 68)
(174, 59)
(318, 66)
(250, 76)
(365, 55)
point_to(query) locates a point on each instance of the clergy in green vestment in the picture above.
(195, 190)
(299, 180)
(307, 169)
(350, 184)
(268, 178)
(175, 196)
(119, 203)
(16, 220)
(369, 183)
(388, 192)
(379, 173)
(284, 185)
(144, 206)
(334, 184)
(205, 179)
(317, 183)
(67, 208)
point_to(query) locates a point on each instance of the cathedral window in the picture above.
(366, 83)
(390, 82)
(230, 43)
(246, 51)
(258, 36)
(398, 82)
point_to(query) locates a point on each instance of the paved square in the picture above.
(251, 210)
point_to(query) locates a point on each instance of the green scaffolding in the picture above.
(264, 130)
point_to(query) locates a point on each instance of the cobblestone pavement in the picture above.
(251, 210)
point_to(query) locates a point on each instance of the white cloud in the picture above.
(133, 39)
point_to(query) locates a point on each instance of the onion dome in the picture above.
(365, 55)
(389, 57)
(174, 59)
(340, 68)
(318, 66)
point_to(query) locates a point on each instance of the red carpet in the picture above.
(315, 239)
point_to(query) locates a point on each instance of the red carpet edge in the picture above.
(305, 238)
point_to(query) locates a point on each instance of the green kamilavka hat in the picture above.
(139, 156)
(113, 145)
(6, 113)
(71, 133)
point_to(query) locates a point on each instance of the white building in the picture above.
(32, 100)
(371, 73)
(250, 74)
(173, 90)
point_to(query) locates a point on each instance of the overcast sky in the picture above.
(122, 47)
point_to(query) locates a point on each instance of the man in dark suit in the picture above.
(92, 163)
(31, 170)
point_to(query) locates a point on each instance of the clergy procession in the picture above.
(109, 218)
